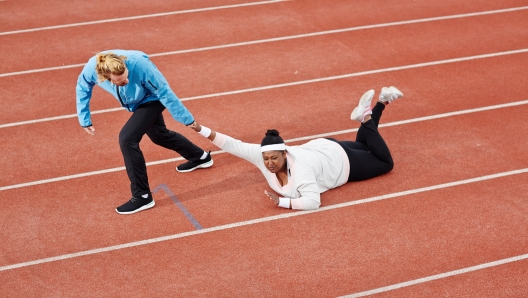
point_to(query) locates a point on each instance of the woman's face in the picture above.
(120, 80)
(274, 160)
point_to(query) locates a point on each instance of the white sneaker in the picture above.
(389, 94)
(363, 109)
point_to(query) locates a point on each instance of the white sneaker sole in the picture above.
(363, 106)
(144, 207)
(388, 94)
(202, 166)
(397, 93)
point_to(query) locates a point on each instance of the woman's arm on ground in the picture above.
(311, 201)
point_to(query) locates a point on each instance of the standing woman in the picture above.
(140, 87)
(301, 173)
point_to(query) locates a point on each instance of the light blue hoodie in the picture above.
(146, 83)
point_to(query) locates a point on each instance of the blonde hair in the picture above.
(109, 63)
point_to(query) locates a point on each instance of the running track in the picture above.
(451, 220)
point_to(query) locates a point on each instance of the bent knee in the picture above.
(390, 166)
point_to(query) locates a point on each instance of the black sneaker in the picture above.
(193, 165)
(136, 205)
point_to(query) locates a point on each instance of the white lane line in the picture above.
(362, 73)
(57, 118)
(402, 122)
(365, 27)
(338, 77)
(259, 220)
(439, 276)
(154, 15)
(41, 70)
(420, 119)
(86, 174)
(283, 38)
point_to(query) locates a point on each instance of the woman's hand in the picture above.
(90, 130)
(272, 197)
(197, 127)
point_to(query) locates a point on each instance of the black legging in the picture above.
(369, 156)
(148, 119)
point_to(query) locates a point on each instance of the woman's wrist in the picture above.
(284, 202)
(204, 131)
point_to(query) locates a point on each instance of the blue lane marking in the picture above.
(186, 212)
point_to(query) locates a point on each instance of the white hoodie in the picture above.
(314, 168)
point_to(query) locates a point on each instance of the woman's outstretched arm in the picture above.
(247, 151)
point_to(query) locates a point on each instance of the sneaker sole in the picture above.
(367, 96)
(202, 166)
(396, 91)
(384, 92)
(144, 207)
(391, 91)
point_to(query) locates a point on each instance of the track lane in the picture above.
(225, 70)
(269, 23)
(425, 95)
(343, 13)
(177, 32)
(232, 191)
(32, 14)
(504, 280)
(414, 236)
(36, 14)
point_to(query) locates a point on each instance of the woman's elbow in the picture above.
(306, 204)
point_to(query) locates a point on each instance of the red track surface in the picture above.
(250, 248)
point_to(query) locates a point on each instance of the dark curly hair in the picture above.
(272, 137)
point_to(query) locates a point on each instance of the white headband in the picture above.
(278, 147)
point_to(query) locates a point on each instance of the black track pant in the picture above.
(148, 119)
(369, 156)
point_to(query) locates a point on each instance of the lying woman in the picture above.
(301, 173)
